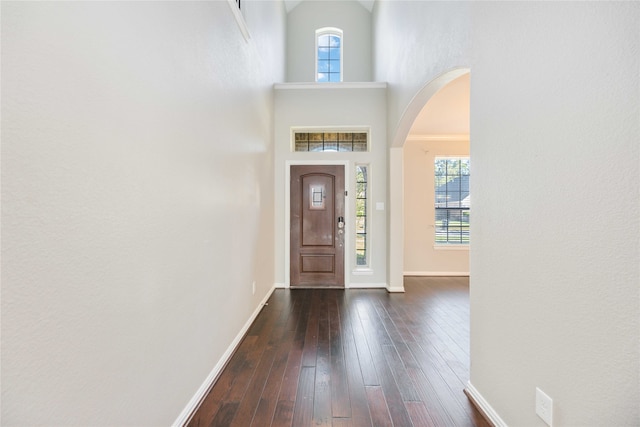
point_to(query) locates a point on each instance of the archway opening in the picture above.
(425, 121)
(436, 166)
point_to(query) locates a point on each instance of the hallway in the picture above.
(351, 358)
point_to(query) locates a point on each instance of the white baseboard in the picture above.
(483, 406)
(436, 273)
(193, 404)
(280, 285)
(395, 289)
(367, 285)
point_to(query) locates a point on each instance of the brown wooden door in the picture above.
(317, 237)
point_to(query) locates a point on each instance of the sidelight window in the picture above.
(362, 222)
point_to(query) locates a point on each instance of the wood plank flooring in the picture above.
(327, 357)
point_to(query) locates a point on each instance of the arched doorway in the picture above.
(396, 174)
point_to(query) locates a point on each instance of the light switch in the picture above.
(379, 206)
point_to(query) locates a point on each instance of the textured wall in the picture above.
(137, 202)
(308, 16)
(554, 145)
(555, 125)
(415, 42)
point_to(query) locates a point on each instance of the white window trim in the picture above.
(451, 247)
(330, 30)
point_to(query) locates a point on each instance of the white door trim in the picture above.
(287, 215)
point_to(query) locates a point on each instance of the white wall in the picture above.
(320, 106)
(137, 202)
(554, 130)
(308, 16)
(420, 255)
(415, 42)
(555, 124)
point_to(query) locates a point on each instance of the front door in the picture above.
(317, 226)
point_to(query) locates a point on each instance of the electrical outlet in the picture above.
(544, 407)
(253, 287)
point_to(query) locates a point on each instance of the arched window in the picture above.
(329, 55)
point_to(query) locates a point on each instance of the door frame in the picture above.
(348, 238)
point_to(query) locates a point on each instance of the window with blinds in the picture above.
(452, 200)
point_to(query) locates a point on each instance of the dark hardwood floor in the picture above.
(356, 358)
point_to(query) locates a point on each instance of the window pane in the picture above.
(453, 167)
(302, 146)
(323, 77)
(441, 226)
(323, 53)
(361, 174)
(334, 53)
(323, 66)
(359, 146)
(361, 190)
(346, 137)
(334, 77)
(315, 146)
(334, 66)
(344, 146)
(330, 146)
(331, 137)
(361, 224)
(464, 167)
(323, 40)
(334, 41)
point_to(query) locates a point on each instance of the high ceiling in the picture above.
(290, 4)
(446, 113)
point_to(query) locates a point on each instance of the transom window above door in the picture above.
(330, 141)
(328, 55)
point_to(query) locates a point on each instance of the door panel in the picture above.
(317, 245)
(317, 263)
